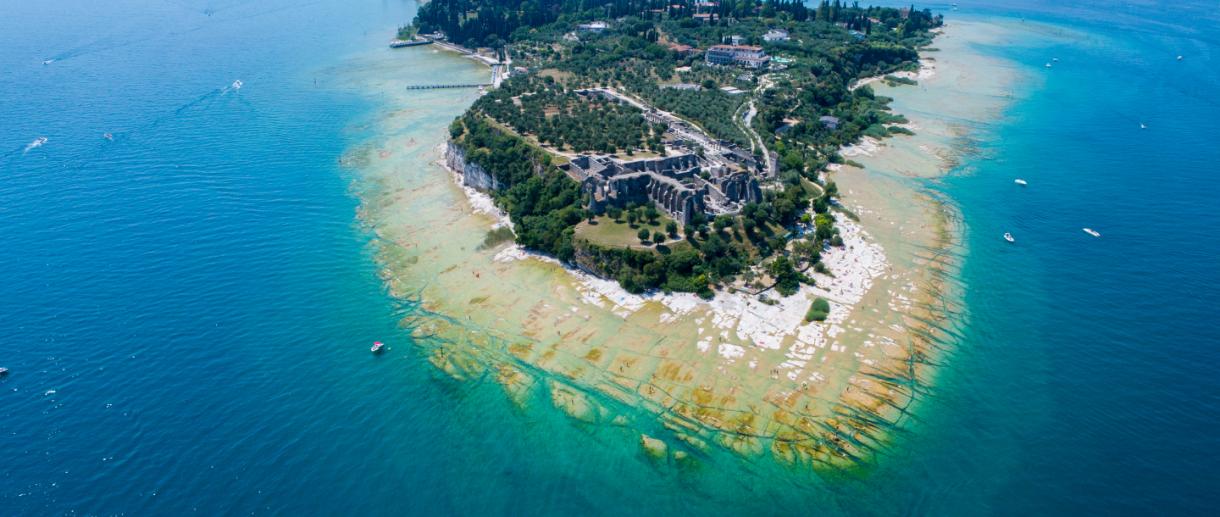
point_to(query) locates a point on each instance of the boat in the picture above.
(3, 371)
(1020, 182)
(1179, 58)
(377, 347)
(1092, 232)
(1142, 126)
(49, 61)
(1055, 59)
(1008, 237)
(413, 42)
(1048, 65)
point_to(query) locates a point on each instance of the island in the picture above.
(678, 159)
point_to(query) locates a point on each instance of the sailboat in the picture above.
(1092, 232)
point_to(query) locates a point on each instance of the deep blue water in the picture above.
(185, 309)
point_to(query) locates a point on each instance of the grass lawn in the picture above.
(607, 232)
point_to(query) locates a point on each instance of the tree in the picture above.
(652, 214)
(658, 237)
(643, 235)
(672, 229)
(787, 280)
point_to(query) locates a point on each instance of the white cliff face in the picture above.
(473, 175)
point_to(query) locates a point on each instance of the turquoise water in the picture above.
(186, 309)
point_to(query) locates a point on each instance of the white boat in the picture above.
(38, 142)
(3, 372)
(1020, 182)
(1179, 58)
(1142, 126)
(1055, 59)
(1092, 232)
(1048, 65)
(377, 347)
(49, 61)
(1008, 237)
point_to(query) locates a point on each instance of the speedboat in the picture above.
(1008, 237)
(1142, 126)
(377, 347)
(49, 61)
(3, 372)
(1055, 59)
(1020, 182)
(1048, 65)
(1092, 232)
(1179, 58)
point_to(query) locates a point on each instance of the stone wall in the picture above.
(741, 187)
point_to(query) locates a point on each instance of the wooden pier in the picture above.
(438, 86)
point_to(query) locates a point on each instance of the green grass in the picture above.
(606, 232)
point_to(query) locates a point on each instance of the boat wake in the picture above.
(38, 142)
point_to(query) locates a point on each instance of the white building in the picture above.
(740, 55)
(592, 27)
(774, 35)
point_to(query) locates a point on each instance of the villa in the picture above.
(748, 56)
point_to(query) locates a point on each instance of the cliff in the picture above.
(473, 175)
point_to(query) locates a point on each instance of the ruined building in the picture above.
(674, 184)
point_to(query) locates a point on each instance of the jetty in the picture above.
(439, 86)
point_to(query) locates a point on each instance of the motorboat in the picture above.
(1179, 58)
(3, 371)
(1048, 65)
(1092, 232)
(1008, 237)
(377, 347)
(1020, 182)
(1142, 126)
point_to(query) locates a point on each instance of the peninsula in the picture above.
(677, 159)
(676, 146)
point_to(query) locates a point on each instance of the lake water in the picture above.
(186, 306)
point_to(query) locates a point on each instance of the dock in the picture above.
(439, 86)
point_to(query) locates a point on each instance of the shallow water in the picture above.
(187, 309)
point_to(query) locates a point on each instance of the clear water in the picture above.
(186, 309)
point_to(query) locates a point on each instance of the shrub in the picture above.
(818, 310)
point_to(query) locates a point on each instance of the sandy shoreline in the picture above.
(852, 268)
